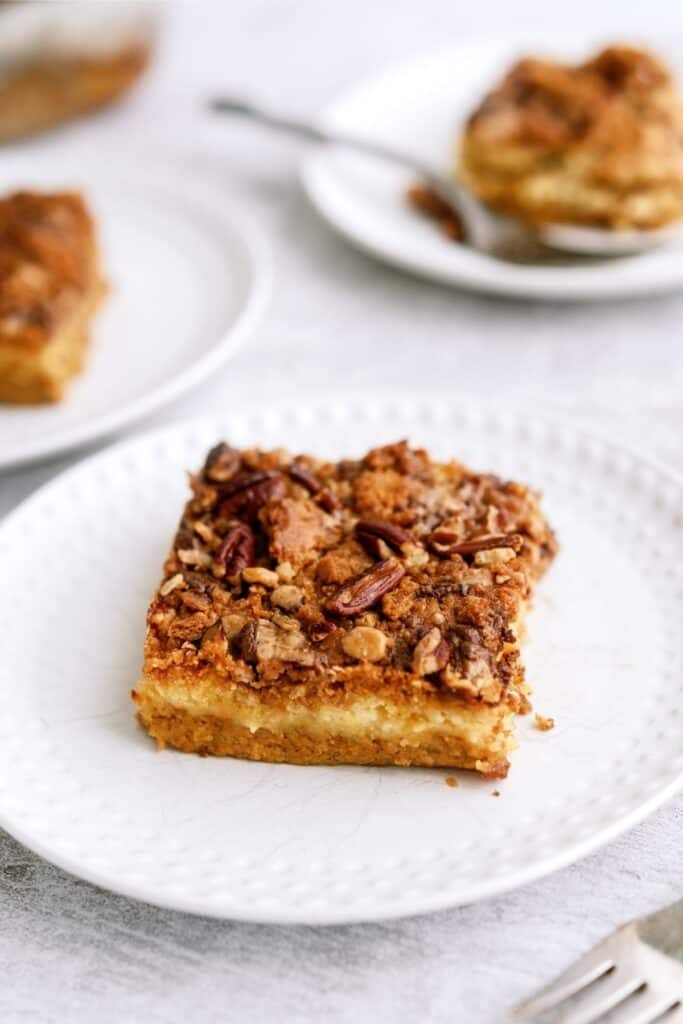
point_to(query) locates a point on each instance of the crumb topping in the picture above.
(47, 262)
(285, 570)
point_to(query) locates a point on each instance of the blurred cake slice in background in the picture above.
(50, 286)
(62, 60)
(597, 144)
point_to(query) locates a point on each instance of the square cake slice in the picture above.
(363, 612)
(50, 286)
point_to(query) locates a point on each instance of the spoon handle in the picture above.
(314, 133)
(477, 233)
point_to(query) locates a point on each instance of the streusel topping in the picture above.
(46, 263)
(284, 567)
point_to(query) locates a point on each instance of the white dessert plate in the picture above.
(188, 279)
(420, 106)
(83, 785)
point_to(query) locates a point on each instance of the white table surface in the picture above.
(69, 952)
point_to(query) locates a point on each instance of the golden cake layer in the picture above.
(367, 611)
(599, 143)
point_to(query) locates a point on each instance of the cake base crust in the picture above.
(39, 377)
(362, 731)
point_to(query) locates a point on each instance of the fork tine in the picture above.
(648, 1008)
(582, 972)
(674, 1016)
(591, 1002)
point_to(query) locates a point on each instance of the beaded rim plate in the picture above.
(81, 783)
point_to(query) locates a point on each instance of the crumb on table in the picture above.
(430, 204)
(452, 781)
(544, 724)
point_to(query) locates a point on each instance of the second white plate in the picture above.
(419, 107)
(188, 279)
(82, 784)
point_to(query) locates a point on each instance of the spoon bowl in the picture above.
(580, 240)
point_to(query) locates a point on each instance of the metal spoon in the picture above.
(482, 230)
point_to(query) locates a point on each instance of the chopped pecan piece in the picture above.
(236, 550)
(431, 654)
(370, 531)
(172, 584)
(222, 463)
(366, 589)
(257, 574)
(249, 492)
(365, 643)
(262, 640)
(446, 542)
(300, 475)
(329, 501)
(287, 596)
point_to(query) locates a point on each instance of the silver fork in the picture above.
(636, 973)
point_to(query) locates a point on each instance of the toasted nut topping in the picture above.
(233, 624)
(370, 531)
(431, 653)
(365, 643)
(285, 571)
(172, 584)
(236, 550)
(366, 589)
(303, 476)
(286, 622)
(287, 597)
(415, 556)
(494, 556)
(247, 493)
(205, 532)
(446, 541)
(256, 574)
(329, 500)
(192, 556)
(222, 463)
(197, 602)
(262, 640)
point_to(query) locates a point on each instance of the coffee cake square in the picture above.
(365, 611)
(50, 286)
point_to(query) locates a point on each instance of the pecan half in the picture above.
(303, 476)
(371, 531)
(222, 463)
(446, 542)
(329, 501)
(431, 653)
(236, 550)
(360, 594)
(249, 492)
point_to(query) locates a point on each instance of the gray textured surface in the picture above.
(69, 952)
